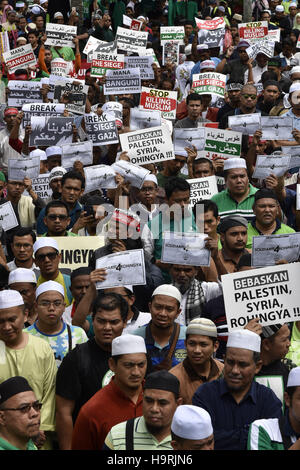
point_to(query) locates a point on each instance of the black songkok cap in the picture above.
(231, 221)
(265, 194)
(13, 386)
(163, 380)
(270, 330)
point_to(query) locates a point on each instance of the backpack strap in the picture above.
(69, 337)
(129, 434)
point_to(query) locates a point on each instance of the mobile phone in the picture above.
(89, 210)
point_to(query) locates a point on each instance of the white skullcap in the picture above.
(21, 38)
(20, 4)
(293, 4)
(128, 344)
(54, 150)
(10, 298)
(141, 18)
(295, 69)
(38, 153)
(57, 172)
(232, 163)
(294, 377)
(169, 290)
(43, 1)
(58, 14)
(244, 339)
(45, 241)
(130, 5)
(188, 49)
(201, 326)
(294, 87)
(279, 8)
(180, 152)
(191, 422)
(21, 275)
(49, 285)
(202, 47)
(151, 177)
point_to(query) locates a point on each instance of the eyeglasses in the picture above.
(57, 216)
(253, 97)
(47, 303)
(26, 408)
(51, 256)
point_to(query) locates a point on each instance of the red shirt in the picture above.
(109, 406)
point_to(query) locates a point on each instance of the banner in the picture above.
(74, 95)
(267, 249)
(60, 35)
(76, 252)
(48, 131)
(122, 81)
(189, 137)
(202, 188)
(130, 40)
(222, 144)
(267, 164)
(270, 294)
(82, 151)
(41, 109)
(8, 218)
(20, 168)
(160, 100)
(185, 248)
(253, 32)
(171, 34)
(149, 145)
(209, 83)
(99, 176)
(215, 23)
(101, 130)
(19, 58)
(21, 92)
(142, 118)
(123, 268)
(277, 127)
(247, 124)
(144, 63)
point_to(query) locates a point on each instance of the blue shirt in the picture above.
(74, 214)
(231, 420)
(296, 119)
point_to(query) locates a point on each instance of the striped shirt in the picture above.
(142, 439)
(264, 434)
(228, 206)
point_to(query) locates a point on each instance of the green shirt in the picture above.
(294, 350)
(162, 179)
(253, 232)
(66, 53)
(264, 434)
(228, 206)
(5, 445)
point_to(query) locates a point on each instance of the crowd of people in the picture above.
(150, 366)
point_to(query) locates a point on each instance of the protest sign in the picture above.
(298, 197)
(267, 164)
(123, 268)
(99, 176)
(60, 67)
(171, 34)
(20, 168)
(102, 47)
(294, 152)
(149, 52)
(133, 173)
(132, 23)
(215, 23)
(47, 131)
(211, 37)
(245, 123)
(4, 44)
(130, 40)
(101, 130)
(113, 107)
(185, 248)
(60, 35)
(106, 60)
(189, 137)
(142, 118)
(252, 32)
(82, 151)
(74, 94)
(223, 144)
(160, 100)
(277, 127)
(149, 145)
(261, 47)
(274, 35)
(267, 249)
(91, 44)
(209, 83)
(122, 81)
(21, 92)
(170, 53)
(202, 188)
(270, 294)
(19, 58)
(144, 63)
(41, 109)
(40, 186)
(8, 218)
(77, 252)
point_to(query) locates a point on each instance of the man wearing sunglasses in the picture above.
(19, 415)
(57, 220)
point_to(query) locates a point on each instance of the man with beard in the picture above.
(22, 241)
(199, 366)
(57, 220)
(24, 281)
(233, 236)
(121, 399)
(152, 431)
(171, 168)
(236, 400)
(266, 221)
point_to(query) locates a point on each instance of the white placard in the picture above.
(172, 33)
(277, 127)
(8, 218)
(60, 35)
(21, 168)
(142, 119)
(123, 268)
(21, 92)
(161, 100)
(101, 130)
(149, 145)
(113, 107)
(185, 248)
(122, 81)
(267, 164)
(40, 186)
(271, 294)
(133, 173)
(247, 124)
(130, 40)
(274, 35)
(261, 47)
(144, 63)
(189, 137)
(294, 152)
(82, 151)
(19, 58)
(267, 249)
(298, 197)
(99, 176)
(202, 188)
(41, 109)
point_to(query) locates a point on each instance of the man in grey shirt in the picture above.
(194, 109)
